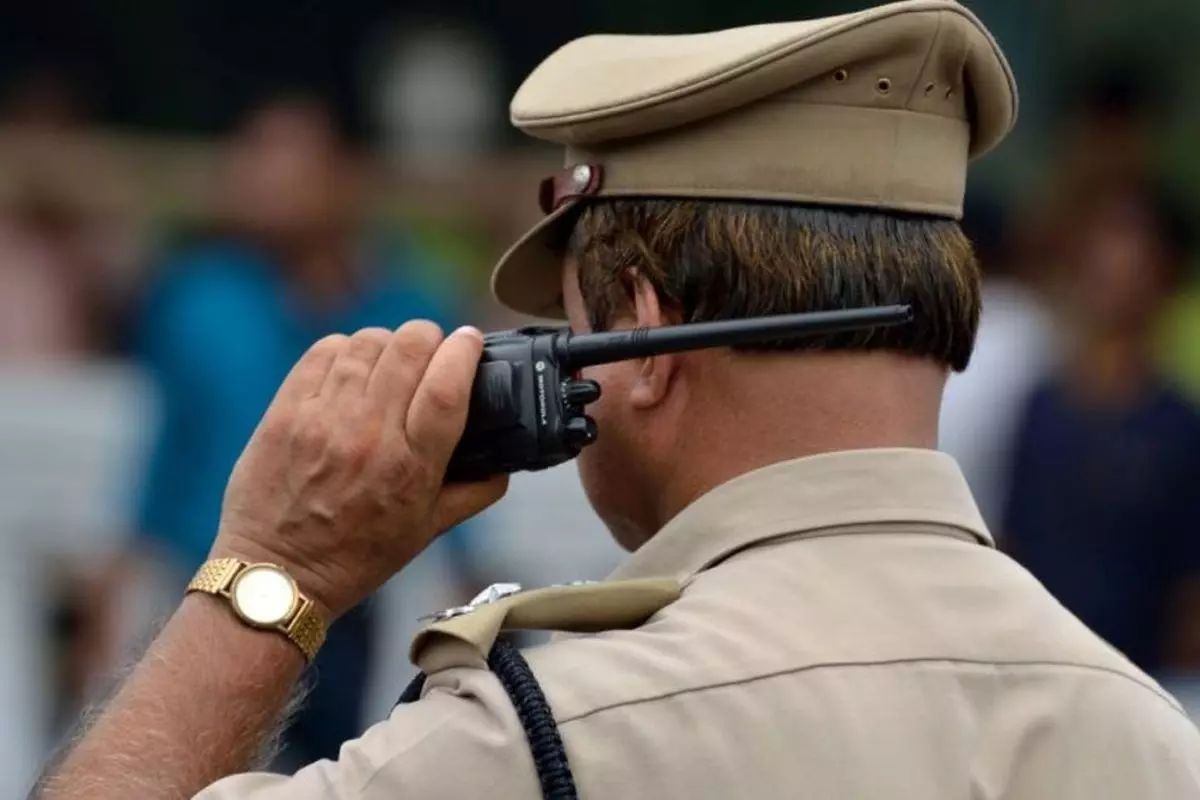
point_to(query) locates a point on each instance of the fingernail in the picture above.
(468, 330)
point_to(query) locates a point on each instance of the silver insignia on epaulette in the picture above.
(497, 591)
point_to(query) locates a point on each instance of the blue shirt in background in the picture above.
(220, 330)
(1104, 510)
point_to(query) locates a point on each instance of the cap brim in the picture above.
(528, 278)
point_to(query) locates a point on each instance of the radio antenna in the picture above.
(589, 349)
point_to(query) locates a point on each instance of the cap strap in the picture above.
(569, 184)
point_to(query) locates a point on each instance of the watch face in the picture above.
(264, 595)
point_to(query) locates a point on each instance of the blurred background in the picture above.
(193, 191)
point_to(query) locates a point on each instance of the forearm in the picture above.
(197, 708)
(341, 485)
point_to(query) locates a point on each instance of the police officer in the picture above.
(813, 606)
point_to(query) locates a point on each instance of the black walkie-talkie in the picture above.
(527, 402)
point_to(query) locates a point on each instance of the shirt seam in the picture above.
(886, 663)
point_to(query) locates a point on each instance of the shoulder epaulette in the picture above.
(467, 636)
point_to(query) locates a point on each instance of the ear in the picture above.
(657, 374)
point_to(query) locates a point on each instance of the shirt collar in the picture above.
(810, 496)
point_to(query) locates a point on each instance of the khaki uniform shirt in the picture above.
(847, 629)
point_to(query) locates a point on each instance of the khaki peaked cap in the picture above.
(881, 108)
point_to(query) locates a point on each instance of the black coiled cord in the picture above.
(549, 754)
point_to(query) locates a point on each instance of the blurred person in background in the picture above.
(1014, 349)
(63, 240)
(65, 250)
(47, 292)
(1111, 117)
(226, 319)
(1102, 507)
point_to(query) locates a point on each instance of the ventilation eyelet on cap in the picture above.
(929, 87)
(883, 85)
(840, 75)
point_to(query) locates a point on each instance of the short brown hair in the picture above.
(720, 260)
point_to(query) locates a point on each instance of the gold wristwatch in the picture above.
(265, 597)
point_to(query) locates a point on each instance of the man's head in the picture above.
(711, 260)
(779, 168)
(1108, 126)
(633, 262)
(1124, 254)
(289, 172)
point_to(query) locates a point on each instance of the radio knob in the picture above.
(579, 431)
(581, 392)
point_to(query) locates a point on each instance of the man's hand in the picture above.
(342, 482)
(342, 485)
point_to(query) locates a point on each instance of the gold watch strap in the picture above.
(305, 628)
(215, 575)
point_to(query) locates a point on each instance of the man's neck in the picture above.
(326, 274)
(321, 267)
(1113, 370)
(836, 404)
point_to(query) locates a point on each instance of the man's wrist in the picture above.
(264, 595)
(247, 551)
(217, 623)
